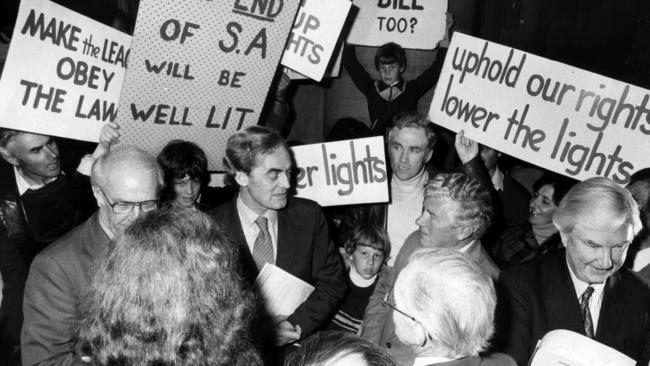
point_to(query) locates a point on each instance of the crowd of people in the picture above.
(138, 260)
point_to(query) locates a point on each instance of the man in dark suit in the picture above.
(125, 183)
(271, 227)
(582, 288)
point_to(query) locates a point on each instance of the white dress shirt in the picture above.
(247, 218)
(596, 299)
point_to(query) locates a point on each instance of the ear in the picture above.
(464, 233)
(99, 197)
(429, 154)
(241, 178)
(8, 156)
(402, 69)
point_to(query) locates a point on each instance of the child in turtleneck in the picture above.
(367, 250)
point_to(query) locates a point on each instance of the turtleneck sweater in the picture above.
(407, 198)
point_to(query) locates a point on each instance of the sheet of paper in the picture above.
(566, 348)
(282, 291)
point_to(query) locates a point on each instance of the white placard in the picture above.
(313, 36)
(418, 24)
(342, 172)
(63, 74)
(556, 116)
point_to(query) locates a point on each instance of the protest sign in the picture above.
(418, 24)
(559, 117)
(331, 72)
(342, 172)
(314, 35)
(63, 73)
(200, 70)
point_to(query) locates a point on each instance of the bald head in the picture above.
(125, 183)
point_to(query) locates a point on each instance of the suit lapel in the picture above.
(560, 296)
(288, 235)
(611, 312)
(232, 224)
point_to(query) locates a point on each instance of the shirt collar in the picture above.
(497, 180)
(249, 216)
(581, 286)
(23, 185)
(430, 360)
(381, 86)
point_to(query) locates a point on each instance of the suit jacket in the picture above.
(304, 249)
(58, 278)
(378, 326)
(493, 359)
(539, 296)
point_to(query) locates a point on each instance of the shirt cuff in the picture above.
(86, 164)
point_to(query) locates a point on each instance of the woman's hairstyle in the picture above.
(597, 202)
(452, 297)
(389, 53)
(475, 208)
(327, 346)
(561, 185)
(369, 236)
(168, 293)
(179, 159)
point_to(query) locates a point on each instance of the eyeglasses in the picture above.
(388, 304)
(123, 207)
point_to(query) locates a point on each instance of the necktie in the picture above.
(586, 314)
(262, 248)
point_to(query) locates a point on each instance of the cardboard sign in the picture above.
(200, 70)
(332, 72)
(63, 73)
(418, 24)
(559, 117)
(342, 172)
(313, 37)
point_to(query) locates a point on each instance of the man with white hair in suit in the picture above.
(443, 308)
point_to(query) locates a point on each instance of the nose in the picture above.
(51, 151)
(605, 258)
(403, 157)
(188, 189)
(420, 221)
(533, 202)
(284, 180)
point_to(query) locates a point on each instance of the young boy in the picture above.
(367, 250)
(391, 94)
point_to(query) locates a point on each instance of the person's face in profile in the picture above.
(186, 191)
(36, 155)
(438, 223)
(267, 185)
(596, 252)
(542, 207)
(408, 149)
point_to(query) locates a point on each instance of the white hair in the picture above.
(452, 297)
(120, 158)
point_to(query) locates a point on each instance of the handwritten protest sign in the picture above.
(342, 172)
(418, 24)
(562, 118)
(63, 73)
(200, 70)
(331, 72)
(313, 37)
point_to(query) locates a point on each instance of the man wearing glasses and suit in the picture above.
(125, 183)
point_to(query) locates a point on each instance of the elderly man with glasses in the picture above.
(443, 308)
(125, 183)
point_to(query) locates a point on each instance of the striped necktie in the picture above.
(586, 313)
(263, 248)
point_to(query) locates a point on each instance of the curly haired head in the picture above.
(475, 208)
(168, 293)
